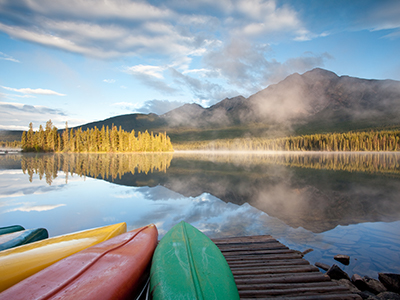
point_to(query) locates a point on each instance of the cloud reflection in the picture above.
(34, 208)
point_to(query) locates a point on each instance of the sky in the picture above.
(79, 61)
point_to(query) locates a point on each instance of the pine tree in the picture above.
(65, 138)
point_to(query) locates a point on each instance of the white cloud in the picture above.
(253, 19)
(11, 96)
(205, 91)
(196, 71)
(45, 39)
(154, 71)
(245, 65)
(230, 38)
(108, 29)
(94, 9)
(4, 56)
(13, 114)
(33, 91)
(151, 76)
(103, 29)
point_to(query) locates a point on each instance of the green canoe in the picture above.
(188, 265)
(10, 229)
(22, 237)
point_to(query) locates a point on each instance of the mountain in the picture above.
(10, 135)
(316, 96)
(314, 102)
(138, 122)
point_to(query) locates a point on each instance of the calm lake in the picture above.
(333, 203)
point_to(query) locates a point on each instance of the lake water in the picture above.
(333, 203)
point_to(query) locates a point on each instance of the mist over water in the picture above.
(334, 203)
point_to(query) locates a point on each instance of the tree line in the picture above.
(106, 139)
(349, 141)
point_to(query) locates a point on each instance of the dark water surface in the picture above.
(342, 203)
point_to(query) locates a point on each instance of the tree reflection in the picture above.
(103, 166)
(384, 163)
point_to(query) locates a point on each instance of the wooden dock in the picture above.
(266, 269)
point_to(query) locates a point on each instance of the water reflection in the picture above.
(369, 162)
(317, 195)
(93, 165)
(333, 203)
(316, 191)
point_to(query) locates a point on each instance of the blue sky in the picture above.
(86, 60)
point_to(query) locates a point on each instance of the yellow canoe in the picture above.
(21, 262)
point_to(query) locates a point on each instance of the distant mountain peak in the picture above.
(192, 105)
(321, 71)
(188, 108)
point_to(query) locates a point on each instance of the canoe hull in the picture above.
(188, 265)
(21, 262)
(110, 270)
(23, 237)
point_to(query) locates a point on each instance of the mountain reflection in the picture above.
(316, 191)
(313, 191)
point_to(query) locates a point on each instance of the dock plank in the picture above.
(264, 268)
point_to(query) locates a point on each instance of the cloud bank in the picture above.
(14, 114)
(208, 49)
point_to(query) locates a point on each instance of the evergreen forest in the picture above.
(114, 140)
(349, 141)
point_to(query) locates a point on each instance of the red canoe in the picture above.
(114, 269)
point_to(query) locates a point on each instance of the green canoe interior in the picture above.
(189, 265)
